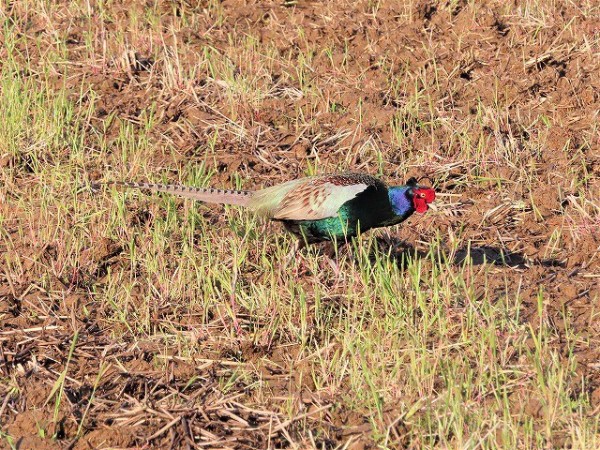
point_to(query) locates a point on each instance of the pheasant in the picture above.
(319, 208)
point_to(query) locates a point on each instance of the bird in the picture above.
(329, 207)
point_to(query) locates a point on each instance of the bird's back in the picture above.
(312, 198)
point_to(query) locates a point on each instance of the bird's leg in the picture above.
(333, 257)
(334, 264)
(345, 248)
(295, 252)
(298, 245)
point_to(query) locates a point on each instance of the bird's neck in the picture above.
(400, 201)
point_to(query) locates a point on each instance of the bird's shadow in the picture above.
(402, 252)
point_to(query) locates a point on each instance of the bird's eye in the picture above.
(422, 195)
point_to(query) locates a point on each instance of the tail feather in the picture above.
(208, 195)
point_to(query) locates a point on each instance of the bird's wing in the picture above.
(316, 201)
(310, 198)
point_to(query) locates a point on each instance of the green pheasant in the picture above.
(318, 208)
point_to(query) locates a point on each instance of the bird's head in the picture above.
(421, 196)
(411, 197)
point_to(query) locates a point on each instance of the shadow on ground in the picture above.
(402, 252)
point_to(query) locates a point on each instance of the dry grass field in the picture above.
(130, 320)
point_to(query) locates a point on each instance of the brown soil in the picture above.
(481, 55)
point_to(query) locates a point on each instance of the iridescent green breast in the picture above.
(331, 228)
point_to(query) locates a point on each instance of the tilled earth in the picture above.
(496, 103)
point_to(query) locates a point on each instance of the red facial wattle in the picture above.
(421, 199)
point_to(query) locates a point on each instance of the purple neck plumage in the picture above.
(400, 200)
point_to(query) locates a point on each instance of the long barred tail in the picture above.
(209, 195)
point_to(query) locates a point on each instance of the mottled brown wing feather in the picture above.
(321, 197)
